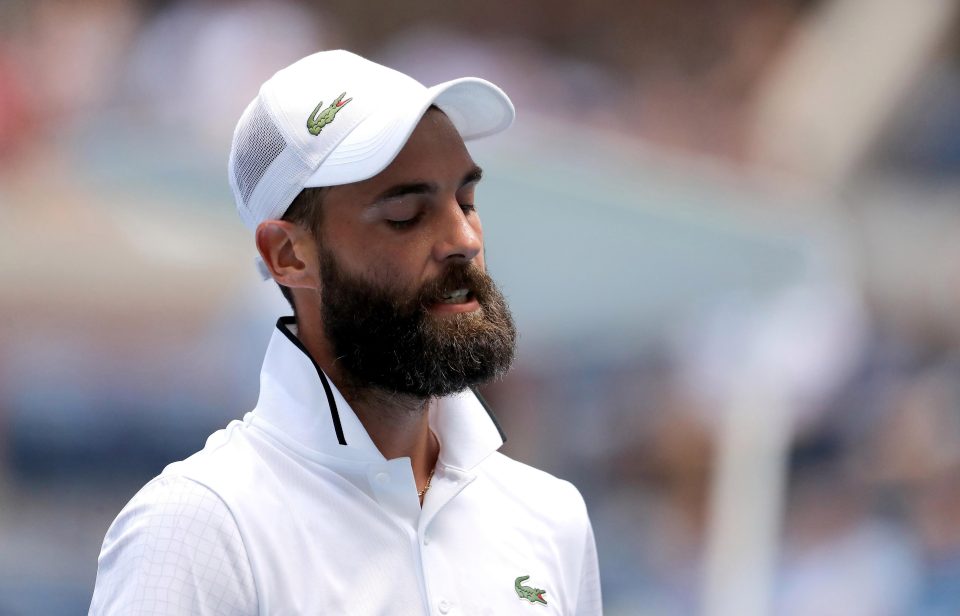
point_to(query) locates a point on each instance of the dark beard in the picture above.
(383, 340)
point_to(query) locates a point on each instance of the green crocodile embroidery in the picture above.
(533, 595)
(316, 122)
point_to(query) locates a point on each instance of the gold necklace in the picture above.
(420, 493)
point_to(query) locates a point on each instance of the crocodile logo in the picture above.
(316, 122)
(533, 595)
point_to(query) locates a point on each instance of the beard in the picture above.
(388, 340)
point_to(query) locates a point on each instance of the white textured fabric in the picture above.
(174, 549)
(305, 516)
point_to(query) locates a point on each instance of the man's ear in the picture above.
(289, 252)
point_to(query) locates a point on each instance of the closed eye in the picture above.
(408, 223)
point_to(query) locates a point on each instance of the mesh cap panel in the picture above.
(258, 143)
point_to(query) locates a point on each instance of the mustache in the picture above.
(457, 276)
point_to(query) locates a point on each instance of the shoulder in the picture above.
(536, 490)
(230, 463)
(172, 500)
(174, 548)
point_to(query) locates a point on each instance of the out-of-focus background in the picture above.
(728, 230)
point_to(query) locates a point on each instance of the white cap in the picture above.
(335, 118)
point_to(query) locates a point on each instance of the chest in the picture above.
(332, 549)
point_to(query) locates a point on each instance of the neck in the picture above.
(397, 424)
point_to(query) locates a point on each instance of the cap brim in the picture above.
(476, 107)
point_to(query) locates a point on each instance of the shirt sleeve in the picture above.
(589, 602)
(174, 549)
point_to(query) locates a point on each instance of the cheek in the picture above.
(390, 268)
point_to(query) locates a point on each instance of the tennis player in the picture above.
(367, 478)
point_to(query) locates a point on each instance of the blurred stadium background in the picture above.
(728, 230)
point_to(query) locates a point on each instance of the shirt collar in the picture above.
(300, 400)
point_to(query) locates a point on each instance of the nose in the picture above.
(459, 236)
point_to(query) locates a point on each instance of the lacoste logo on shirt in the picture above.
(315, 123)
(533, 595)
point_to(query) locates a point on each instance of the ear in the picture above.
(290, 253)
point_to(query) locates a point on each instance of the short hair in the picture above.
(306, 211)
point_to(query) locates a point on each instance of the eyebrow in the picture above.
(426, 188)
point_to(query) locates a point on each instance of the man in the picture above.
(366, 480)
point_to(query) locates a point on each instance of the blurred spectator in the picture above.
(838, 556)
(197, 64)
(915, 452)
(15, 120)
(70, 54)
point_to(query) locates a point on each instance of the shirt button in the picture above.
(444, 606)
(383, 478)
(426, 540)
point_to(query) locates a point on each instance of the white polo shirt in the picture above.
(293, 510)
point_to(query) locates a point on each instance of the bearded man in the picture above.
(367, 479)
